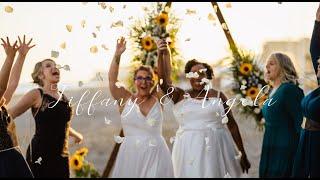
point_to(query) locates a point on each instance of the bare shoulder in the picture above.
(35, 96)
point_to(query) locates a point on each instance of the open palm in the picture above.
(9, 49)
(23, 46)
(121, 46)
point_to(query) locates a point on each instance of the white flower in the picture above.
(238, 157)
(262, 121)
(107, 121)
(118, 139)
(244, 82)
(152, 143)
(172, 139)
(192, 75)
(207, 140)
(120, 84)
(151, 122)
(204, 81)
(207, 87)
(257, 110)
(203, 70)
(243, 87)
(225, 120)
(244, 92)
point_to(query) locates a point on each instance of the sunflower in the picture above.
(76, 162)
(245, 68)
(252, 92)
(147, 43)
(82, 152)
(162, 19)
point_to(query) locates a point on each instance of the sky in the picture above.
(251, 24)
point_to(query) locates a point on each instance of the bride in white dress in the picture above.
(203, 146)
(143, 152)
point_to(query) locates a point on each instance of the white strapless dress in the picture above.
(143, 152)
(203, 146)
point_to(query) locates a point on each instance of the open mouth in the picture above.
(55, 73)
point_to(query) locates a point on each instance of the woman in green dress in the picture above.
(283, 118)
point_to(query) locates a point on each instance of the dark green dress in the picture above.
(307, 162)
(282, 128)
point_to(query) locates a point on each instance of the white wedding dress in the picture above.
(203, 146)
(143, 152)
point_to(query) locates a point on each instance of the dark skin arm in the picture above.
(164, 71)
(233, 128)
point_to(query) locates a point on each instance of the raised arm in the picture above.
(315, 42)
(164, 71)
(17, 68)
(6, 68)
(235, 133)
(117, 92)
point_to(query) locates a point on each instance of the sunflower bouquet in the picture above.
(81, 167)
(159, 22)
(249, 84)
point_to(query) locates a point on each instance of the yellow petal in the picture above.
(190, 12)
(228, 5)
(94, 49)
(69, 27)
(8, 9)
(55, 54)
(63, 45)
(104, 47)
(211, 17)
(83, 23)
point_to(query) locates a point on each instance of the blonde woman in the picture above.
(48, 154)
(283, 118)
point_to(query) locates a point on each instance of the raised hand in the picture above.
(10, 50)
(23, 46)
(162, 46)
(121, 46)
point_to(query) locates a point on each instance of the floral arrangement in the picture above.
(158, 23)
(249, 85)
(81, 167)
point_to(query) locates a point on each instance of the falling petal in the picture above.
(94, 49)
(80, 83)
(66, 67)
(118, 139)
(111, 9)
(63, 45)
(131, 17)
(98, 28)
(102, 5)
(211, 17)
(117, 24)
(54, 54)
(228, 5)
(94, 35)
(204, 81)
(104, 47)
(107, 121)
(190, 12)
(145, 8)
(192, 75)
(203, 70)
(188, 39)
(39, 160)
(8, 9)
(124, 6)
(225, 120)
(69, 27)
(161, 81)
(83, 23)
(58, 66)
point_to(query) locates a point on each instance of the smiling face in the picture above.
(143, 82)
(50, 73)
(272, 69)
(196, 82)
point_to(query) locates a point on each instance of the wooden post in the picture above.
(225, 28)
